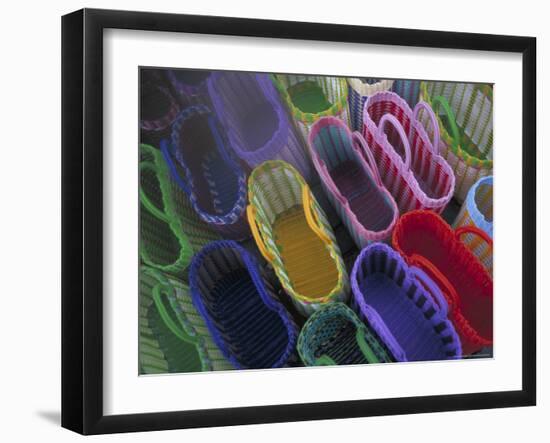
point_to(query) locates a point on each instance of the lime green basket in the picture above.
(172, 335)
(170, 231)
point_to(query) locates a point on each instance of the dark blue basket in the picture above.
(240, 307)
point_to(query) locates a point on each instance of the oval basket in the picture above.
(334, 335)
(239, 304)
(411, 169)
(403, 306)
(255, 120)
(428, 242)
(352, 184)
(201, 164)
(294, 236)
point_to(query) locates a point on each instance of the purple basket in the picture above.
(202, 166)
(403, 306)
(256, 122)
(240, 307)
(190, 85)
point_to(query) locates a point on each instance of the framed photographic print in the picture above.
(278, 221)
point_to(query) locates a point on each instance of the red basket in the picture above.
(428, 242)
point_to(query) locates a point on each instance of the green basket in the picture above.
(465, 115)
(170, 231)
(172, 335)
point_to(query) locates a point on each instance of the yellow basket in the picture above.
(294, 236)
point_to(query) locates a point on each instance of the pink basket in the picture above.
(410, 167)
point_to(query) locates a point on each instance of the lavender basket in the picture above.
(201, 164)
(190, 85)
(255, 120)
(403, 306)
(240, 307)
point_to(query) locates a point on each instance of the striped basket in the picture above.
(172, 335)
(359, 89)
(170, 231)
(293, 234)
(403, 306)
(477, 210)
(204, 168)
(465, 114)
(190, 85)
(310, 97)
(335, 336)
(411, 169)
(256, 123)
(240, 307)
(408, 90)
(429, 243)
(352, 184)
(157, 110)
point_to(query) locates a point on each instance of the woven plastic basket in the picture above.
(240, 307)
(465, 114)
(157, 110)
(408, 90)
(403, 306)
(255, 120)
(428, 242)
(359, 90)
(294, 236)
(477, 210)
(334, 335)
(411, 169)
(191, 85)
(170, 231)
(172, 334)
(352, 184)
(206, 171)
(310, 97)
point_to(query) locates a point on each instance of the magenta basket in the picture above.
(408, 162)
(255, 120)
(202, 166)
(403, 306)
(351, 182)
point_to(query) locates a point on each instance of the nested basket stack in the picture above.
(407, 159)
(257, 124)
(465, 115)
(172, 335)
(310, 97)
(477, 210)
(359, 90)
(170, 230)
(429, 243)
(403, 306)
(240, 306)
(350, 179)
(334, 335)
(204, 167)
(293, 234)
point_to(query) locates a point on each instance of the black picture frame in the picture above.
(82, 220)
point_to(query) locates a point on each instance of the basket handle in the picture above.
(476, 231)
(311, 215)
(251, 215)
(325, 360)
(365, 149)
(423, 105)
(442, 101)
(435, 293)
(144, 198)
(441, 281)
(406, 145)
(365, 348)
(165, 149)
(169, 321)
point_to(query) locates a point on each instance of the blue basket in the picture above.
(408, 90)
(240, 307)
(206, 171)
